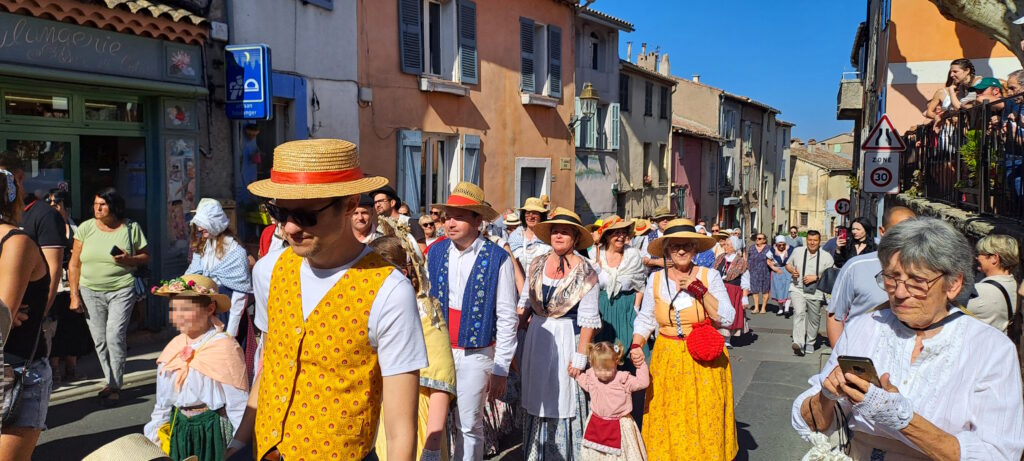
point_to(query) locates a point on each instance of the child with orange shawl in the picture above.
(201, 385)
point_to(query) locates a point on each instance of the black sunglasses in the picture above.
(302, 218)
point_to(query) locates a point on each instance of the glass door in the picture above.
(50, 161)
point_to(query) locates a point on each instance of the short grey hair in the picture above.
(929, 243)
(1016, 75)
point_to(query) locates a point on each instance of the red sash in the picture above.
(603, 435)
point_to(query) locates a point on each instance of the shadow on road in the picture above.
(64, 413)
(79, 446)
(746, 441)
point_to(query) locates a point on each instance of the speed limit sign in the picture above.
(881, 172)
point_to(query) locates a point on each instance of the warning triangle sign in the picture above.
(884, 137)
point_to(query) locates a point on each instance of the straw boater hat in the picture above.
(562, 216)
(615, 222)
(663, 212)
(534, 204)
(512, 219)
(193, 285)
(681, 229)
(316, 168)
(469, 196)
(132, 447)
(721, 235)
(641, 226)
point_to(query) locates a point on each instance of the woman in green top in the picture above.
(101, 279)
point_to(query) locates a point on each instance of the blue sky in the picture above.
(789, 54)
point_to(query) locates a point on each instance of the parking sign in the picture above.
(248, 82)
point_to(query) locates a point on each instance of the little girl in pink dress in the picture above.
(611, 433)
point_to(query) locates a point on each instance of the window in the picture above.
(540, 49)
(782, 199)
(837, 148)
(595, 51)
(748, 138)
(34, 105)
(662, 166)
(802, 185)
(649, 171)
(663, 103)
(427, 169)
(783, 171)
(712, 179)
(648, 99)
(803, 219)
(624, 92)
(438, 38)
(471, 159)
(730, 124)
(598, 124)
(727, 170)
(533, 177)
(117, 111)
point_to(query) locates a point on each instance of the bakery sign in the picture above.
(51, 44)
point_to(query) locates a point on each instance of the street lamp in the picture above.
(588, 106)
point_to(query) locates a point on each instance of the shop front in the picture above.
(87, 109)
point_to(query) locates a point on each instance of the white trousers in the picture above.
(806, 315)
(472, 373)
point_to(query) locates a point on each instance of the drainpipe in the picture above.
(760, 172)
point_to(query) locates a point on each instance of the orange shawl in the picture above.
(221, 360)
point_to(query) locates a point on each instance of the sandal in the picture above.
(105, 392)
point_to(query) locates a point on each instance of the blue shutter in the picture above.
(555, 61)
(613, 126)
(467, 42)
(527, 85)
(579, 113)
(410, 156)
(471, 159)
(410, 36)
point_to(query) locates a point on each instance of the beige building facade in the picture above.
(645, 103)
(819, 178)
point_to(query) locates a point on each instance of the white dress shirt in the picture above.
(856, 291)
(645, 323)
(966, 381)
(460, 266)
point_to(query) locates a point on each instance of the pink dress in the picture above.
(611, 403)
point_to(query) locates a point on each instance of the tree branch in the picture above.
(990, 17)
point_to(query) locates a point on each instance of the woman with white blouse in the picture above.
(950, 386)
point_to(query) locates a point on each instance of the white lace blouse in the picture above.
(198, 390)
(644, 324)
(966, 381)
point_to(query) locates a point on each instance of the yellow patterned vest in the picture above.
(320, 389)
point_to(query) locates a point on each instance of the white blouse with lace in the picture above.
(197, 390)
(966, 381)
(645, 323)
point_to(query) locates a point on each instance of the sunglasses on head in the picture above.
(302, 218)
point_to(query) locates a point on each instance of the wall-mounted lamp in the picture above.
(588, 106)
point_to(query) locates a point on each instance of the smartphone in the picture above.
(842, 233)
(862, 367)
(115, 251)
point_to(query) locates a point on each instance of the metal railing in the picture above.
(972, 158)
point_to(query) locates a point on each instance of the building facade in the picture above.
(459, 90)
(819, 179)
(696, 148)
(783, 197)
(750, 163)
(113, 96)
(597, 140)
(645, 103)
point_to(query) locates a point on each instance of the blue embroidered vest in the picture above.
(478, 325)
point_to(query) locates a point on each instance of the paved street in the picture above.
(766, 378)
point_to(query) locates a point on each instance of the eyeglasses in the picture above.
(383, 200)
(302, 218)
(916, 286)
(685, 246)
(760, 238)
(435, 213)
(428, 224)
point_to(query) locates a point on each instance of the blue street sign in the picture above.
(248, 82)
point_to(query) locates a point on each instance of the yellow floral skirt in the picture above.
(689, 412)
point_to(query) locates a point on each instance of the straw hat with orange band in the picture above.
(316, 168)
(469, 196)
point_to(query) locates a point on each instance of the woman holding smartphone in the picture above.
(948, 385)
(101, 277)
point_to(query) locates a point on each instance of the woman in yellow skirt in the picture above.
(437, 380)
(689, 411)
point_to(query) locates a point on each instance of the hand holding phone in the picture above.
(861, 367)
(115, 251)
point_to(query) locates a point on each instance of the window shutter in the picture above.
(467, 42)
(591, 128)
(527, 85)
(410, 154)
(613, 126)
(624, 92)
(410, 40)
(471, 159)
(555, 60)
(579, 113)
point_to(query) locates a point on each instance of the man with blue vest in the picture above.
(474, 281)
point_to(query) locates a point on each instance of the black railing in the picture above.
(972, 159)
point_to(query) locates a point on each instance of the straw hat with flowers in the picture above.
(680, 229)
(563, 216)
(469, 196)
(534, 204)
(192, 286)
(316, 168)
(615, 222)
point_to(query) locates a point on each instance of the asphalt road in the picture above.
(766, 379)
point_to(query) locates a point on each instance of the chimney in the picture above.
(663, 67)
(643, 52)
(629, 51)
(696, 78)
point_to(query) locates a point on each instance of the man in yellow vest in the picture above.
(342, 327)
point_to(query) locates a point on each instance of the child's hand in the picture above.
(637, 356)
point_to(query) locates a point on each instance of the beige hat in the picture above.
(316, 168)
(534, 204)
(663, 212)
(615, 222)
(512, 219)
(563, 216)
(193, 285)
(641, 226)
(469, 196)
(681, 229)
(132, 447)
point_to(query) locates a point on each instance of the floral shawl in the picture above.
(736, 268)
(569, 292)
